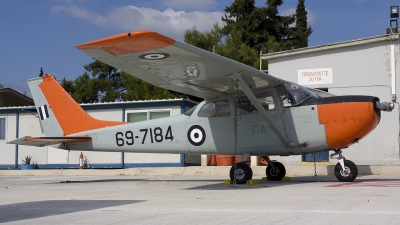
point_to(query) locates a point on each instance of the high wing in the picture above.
(46, 141)
(173, 65)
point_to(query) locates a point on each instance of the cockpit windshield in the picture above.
(191, 110)
(319, 93)
(293, 94)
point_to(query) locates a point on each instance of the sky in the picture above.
(43, 33)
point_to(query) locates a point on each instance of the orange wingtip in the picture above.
(131, 42)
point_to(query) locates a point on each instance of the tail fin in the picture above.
(59, 113)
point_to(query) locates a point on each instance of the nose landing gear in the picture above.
(345, 170)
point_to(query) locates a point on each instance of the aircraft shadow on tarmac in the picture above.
(37, 209)
(264, 184)
(207, 184)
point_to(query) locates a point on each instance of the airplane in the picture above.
(245, 111)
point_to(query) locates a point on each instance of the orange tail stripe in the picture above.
(69, 114)
(345, 122)
(135, 41)
(60, 139)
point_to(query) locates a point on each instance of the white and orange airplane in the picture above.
(245, 111)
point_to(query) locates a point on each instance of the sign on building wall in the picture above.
(315, 76)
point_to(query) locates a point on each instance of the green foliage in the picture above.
(103, 83)
(206, 40)
(27, 160)
(41, 72)
(137, 89)
(302, 32)
(232, 47)
(68, 85)
(248, 28)
(235, 49)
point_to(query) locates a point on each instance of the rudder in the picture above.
(59, 113)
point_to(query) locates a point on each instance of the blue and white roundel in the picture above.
(196, 135)
(154, 56)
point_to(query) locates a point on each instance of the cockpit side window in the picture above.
(292, 94)
(245, 106)
(215, 109)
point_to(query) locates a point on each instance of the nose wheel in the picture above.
(348, 173)
(345, 170)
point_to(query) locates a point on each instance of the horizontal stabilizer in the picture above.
(45, 141)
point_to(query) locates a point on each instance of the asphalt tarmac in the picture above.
(70, 200)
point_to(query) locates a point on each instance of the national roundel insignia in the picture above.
(154, 56)
(196, 135)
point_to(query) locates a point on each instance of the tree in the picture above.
(237, 50)
(207, 40)
(258, 26)
(137, 89)
(278, 27)
(41, 72)
(103, 83)
(85, 90)
(302, 32)
(241, 18)
(68, 85)
(232, 47)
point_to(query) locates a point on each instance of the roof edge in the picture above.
(335, 45)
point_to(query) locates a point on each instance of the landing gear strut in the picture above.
(345, 170)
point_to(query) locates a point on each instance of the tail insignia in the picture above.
(44, 114)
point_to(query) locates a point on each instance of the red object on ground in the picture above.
(213, 161)
(224, 160)
(228, 160)
(239, 159)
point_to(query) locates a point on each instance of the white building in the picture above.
(18, 122)
(367, 66)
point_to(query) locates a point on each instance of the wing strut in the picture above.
(237, 77)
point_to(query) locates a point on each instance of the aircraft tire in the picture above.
(348, 176)
(276, 175)
(243, 173)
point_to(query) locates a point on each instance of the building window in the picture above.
(142, 115)
(2, 129)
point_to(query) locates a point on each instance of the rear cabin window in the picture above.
(191, 110)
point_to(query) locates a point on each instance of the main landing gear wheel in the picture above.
(276, 173)
(348, 174)
(242, 173)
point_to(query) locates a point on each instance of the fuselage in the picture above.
(312, 122)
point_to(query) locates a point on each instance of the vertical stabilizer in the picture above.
(59, 113)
